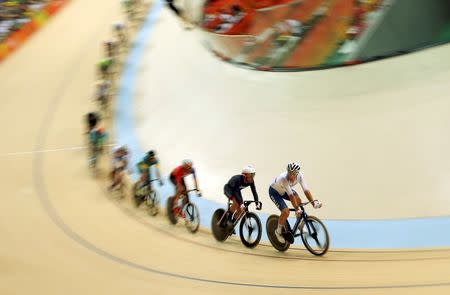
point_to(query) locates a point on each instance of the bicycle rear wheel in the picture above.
(191, 217)
(271, 226)
(220, 232)
(169, 207)
(250, 230)
(315, 236)
(152, 203)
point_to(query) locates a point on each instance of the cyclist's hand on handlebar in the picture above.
(258, 205)
(298, 212)
(316, 204)
(242, 207)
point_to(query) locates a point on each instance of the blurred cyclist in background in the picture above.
(177, 178)
(145, 169)
(119, 166)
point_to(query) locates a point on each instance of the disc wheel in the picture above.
(271, 226)
(219, 231)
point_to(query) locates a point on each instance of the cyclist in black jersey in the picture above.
(233, 187)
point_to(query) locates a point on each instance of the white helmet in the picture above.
(187, 162)
(293, 167)
(248, 170)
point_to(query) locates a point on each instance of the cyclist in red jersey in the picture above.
(177, 178)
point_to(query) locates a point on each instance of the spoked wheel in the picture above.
(271, 226)
(191, 217)
(152, 203)
(137, 194)
(315, 236)
(250, 230)
(220, 231)
(170, 214)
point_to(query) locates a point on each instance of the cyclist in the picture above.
(119, 165)
(103, 92)
(144, 168)
(104, 67)
(97, 137)
(282, 189)
(177, 178)
(128, 6)
(92, 119)
(110, 47)
(233, 187)
(119, 29)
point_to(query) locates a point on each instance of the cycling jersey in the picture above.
(97, 136)
(119, 162)
(282, 185)
(179, 173)
(234, 186)
(146, 163)
(105, 63)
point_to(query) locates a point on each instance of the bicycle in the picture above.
(223, 227)
(94, 151)
(148, 195)
(103, 95)
(188, 211)
(96, 139)
(315, 232)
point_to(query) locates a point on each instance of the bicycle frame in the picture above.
(246, 204)
(303, 216)
(186, 194)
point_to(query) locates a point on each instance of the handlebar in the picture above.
(247, 203)
(156, 179)
(301, 205)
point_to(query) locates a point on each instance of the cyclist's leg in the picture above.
(281, 205)
(180, 192)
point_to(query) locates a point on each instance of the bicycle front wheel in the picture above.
(315, 235)
(250, 230)
(152, 203)
(191, 217)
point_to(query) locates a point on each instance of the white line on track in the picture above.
(74, 148)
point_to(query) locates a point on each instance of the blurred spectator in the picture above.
(15, 13)
(228, 20)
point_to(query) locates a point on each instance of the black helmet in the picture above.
(151, 153)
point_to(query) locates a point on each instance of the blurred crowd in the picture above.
(15, 13)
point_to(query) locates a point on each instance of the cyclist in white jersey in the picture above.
(282, 189)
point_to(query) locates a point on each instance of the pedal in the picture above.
(289, 237)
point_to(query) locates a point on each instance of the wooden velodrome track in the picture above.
(61, 233)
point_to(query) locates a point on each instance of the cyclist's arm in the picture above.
(195, 179)
(304, 186)
(309, 195)
(158, 172)
(254, 192)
